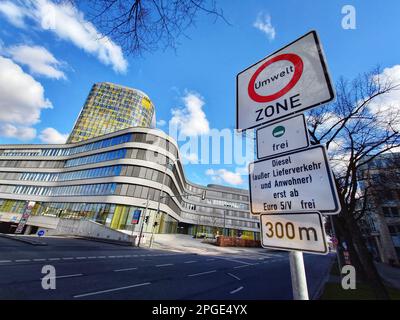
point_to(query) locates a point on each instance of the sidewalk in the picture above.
(389, 274)
(186, 243)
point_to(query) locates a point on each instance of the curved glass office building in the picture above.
(109, 108)
(108, 177)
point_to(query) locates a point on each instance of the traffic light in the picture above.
(146, 219)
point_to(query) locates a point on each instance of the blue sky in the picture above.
(203, 67)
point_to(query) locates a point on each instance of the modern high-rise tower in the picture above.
(110, 108)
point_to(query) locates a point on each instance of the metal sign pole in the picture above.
(298, 274)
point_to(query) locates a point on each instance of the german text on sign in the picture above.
(298, 181)
(293, 231)
(282, 137)
(292, 79)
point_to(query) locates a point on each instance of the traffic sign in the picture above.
(297, 181)
(25, 216)
(294, 231)
(136, 216)
(282, 137)
(291, 80)
(41, 233)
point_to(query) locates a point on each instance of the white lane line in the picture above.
(238, 261)
(80, 258)
(192, 261)
(119, 256)
(70, 275)
(101, 257)
(91, 257)
(232, 275)
(111, 256)
(66, 276)
(39, 259)
(236, 290)
(5, 261)
(54, 259)
(243, 266)
(127, 256)
(127, 269)
(111, 290)
(164, 265)
(201, 273)
(23, 260)
(68, 258)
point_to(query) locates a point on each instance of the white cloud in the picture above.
(230, 177)
(68, 23)
(191, 120)
(21, 96)
(191, 158)
(21, 133)
(263, 23)
(387, 106)
(52, 136)
(14, 14)
(161, 123)
(38, 59)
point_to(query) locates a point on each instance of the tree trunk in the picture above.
(371, 274)
(344, 234)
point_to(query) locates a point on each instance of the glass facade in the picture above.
(25, 176)
(110, 108)
(99, 157)
(99, 189)
(112, 215)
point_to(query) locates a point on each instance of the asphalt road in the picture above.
(93, 270)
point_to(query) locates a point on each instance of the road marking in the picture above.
(232, 275)
(70, 276)
(164, 265)
(243, 266)
(238, 261)
(119, 256)
(127, 269)
(111, 290)
(80, 258)
(192, 261)
(66, 276)
(201, 273)
(5, 261)
(111, 256)
(68, 258)
(236, 290)
(39, 259)
(91, 257)
(54, 259)
(127, 256)
(101, 257)
(23, 260)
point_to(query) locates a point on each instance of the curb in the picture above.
(325, 279)
(16, 238)
(116, 242)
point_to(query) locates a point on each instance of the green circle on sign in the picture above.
(279, 131)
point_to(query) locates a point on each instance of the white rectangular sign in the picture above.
(282, 137)
(298, 181)
(294, 231)
(291, 80)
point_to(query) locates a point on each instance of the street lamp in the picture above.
(170, 166)
(143, 220)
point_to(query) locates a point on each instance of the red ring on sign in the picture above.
(298, 71)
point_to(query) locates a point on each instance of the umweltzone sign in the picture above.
(291, 80)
